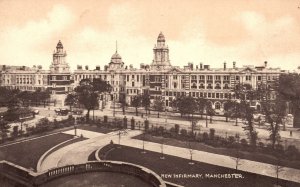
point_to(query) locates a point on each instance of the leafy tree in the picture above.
(25, 97)
(231, 109)
(71, 100)
(201, 103)
(146, 101)
(274, 110)
(8, 97)
(245, 94)
(4, 128)
(158, 105)
(289, 88)
(43, 125)
(186, 105)
(14, 114)
(136, 102)
(123, 104)
(88, 92)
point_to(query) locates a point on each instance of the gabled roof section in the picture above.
(175, 70)
(247, 70)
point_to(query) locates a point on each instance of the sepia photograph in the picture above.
(150, 93)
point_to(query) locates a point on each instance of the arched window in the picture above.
(209, 86)
(217, 106)
(217, 86)
(226, 86)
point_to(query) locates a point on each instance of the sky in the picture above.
(208, 31)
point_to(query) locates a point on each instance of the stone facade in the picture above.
(160, 79)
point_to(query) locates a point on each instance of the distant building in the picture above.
(159, 79)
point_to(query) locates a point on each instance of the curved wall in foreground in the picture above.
(26, 177)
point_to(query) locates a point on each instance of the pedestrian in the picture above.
(291, 133)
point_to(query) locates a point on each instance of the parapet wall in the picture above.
(27, 177)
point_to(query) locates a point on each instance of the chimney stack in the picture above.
(224, 65)
(201, 65)
(233, 65)
(266, 63)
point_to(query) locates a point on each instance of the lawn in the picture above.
(27, 153)
(96, 129)
(97, 179)
(254, 156)
(174, 165)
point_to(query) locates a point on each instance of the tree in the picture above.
(209, 111)
(230, 107)
(289, 88)
(237, 157)
(123, 103)
(4, 128)
(201, 102)
(274, 110)
(15, 114)
(158, 105)
(146, 101)
(9, 97)
(71, 100)
(245, 94)
(43, 125)
(88, 93)
(136, 102)
(186, 105)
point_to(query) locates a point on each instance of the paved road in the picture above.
(79, 152)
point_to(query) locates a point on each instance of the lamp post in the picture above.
(236, 111)
(114, 100)
(75, 127)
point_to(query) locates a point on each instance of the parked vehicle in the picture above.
(62, 111)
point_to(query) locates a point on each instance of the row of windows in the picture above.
(132, 77)
(200, 94)
(63, 78)
(132, 91)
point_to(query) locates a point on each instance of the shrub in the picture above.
(231, 140)
(279, 149)
(176, 126)
(132, 121)
(261, 145)
(212, 134)
(146, 125)
(161, 130)
(244, 143)
(105, 119)
(292, 152)
(15, 131)
(205, 137)
(183, 132)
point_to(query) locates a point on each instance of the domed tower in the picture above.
(59, 63)
(161, 53)
(59, 77)
(116, 60)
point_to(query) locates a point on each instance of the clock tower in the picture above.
(161, 53)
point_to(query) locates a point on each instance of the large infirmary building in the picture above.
(160, 79)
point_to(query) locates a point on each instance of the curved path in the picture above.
(79, 152)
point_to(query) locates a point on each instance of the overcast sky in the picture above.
(208, 31)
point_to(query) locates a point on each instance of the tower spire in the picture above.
(116, 46)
